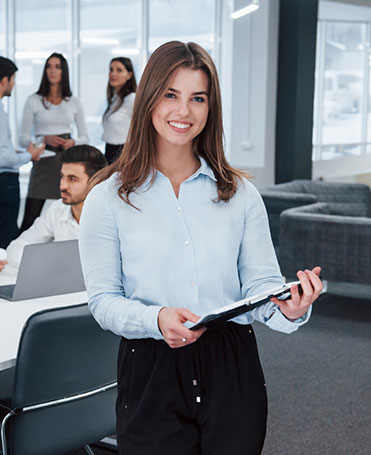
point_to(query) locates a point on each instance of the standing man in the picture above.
(10, 161)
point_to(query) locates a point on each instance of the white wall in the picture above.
(250, 130)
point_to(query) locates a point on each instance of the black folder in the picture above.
(225, 313)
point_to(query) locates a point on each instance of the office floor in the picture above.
(318, 381)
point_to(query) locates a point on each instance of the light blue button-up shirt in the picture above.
(10, 160)
(176, 252)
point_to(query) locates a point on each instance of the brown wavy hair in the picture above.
(138, 158)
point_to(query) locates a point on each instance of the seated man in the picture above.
(61, 220)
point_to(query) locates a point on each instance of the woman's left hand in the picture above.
(298, 305)
(68, 143)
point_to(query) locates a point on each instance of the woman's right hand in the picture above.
(53, 141)
(170, 323)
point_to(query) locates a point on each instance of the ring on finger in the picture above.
(184, 340)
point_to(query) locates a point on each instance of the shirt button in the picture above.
(187, 242)
(192, 283)
(179, 209)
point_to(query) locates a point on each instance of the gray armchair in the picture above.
(333, 235)
(298, 193)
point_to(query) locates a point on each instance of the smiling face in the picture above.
(118, 75)
(74, 183)
(181, 114)
(54, 70)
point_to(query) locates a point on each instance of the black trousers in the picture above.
(112, 152)
(208, 398)
(9, 207)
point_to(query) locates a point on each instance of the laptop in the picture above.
(47, 269)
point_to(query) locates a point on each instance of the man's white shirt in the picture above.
(56, 224)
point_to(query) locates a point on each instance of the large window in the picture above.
(342, 121)
(89, 33)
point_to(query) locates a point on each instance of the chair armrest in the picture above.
(339, 244)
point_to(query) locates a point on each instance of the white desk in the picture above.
(13, 315)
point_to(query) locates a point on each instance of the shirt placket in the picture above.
(190, 283)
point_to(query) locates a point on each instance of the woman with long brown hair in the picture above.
(168, 232)
(121, 90)
(50, 114)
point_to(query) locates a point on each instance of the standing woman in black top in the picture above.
(121, 90)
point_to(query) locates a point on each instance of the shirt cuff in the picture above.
(151, 322)
(279, 322)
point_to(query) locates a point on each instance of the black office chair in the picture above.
(64, 388)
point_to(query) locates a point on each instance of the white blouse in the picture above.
(116, 124)
(55, 224)
(57, 119)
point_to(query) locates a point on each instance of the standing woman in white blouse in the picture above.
(121, 90)
(51, 112)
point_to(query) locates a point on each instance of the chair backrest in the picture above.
(63, 353)
(356, 197)
(348, 193)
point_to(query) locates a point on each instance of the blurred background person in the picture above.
(121, 90)
(61, 220)
(10, 160)
(51, 113)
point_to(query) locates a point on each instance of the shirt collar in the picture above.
(66, 214)
(204, 169)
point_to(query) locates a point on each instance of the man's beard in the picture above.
(78, 199)
(70, 202)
